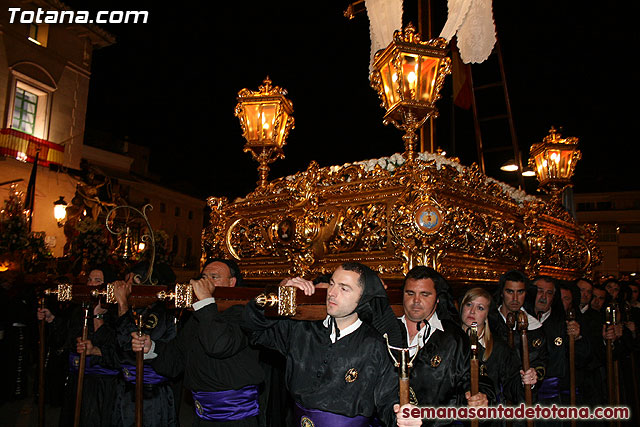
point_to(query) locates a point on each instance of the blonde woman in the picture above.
(497, 361)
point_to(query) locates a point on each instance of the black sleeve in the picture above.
(220, 333)
(269, 333)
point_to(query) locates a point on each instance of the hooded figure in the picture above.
(337, 377)
(373, 307)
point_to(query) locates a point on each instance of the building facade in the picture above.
(45, 71)
(618, 217)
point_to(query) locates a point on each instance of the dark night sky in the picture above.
(171, 85)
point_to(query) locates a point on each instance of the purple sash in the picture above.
(327, 419)
(95, 369)
(150, 375)
(550, 388)
(227, 405)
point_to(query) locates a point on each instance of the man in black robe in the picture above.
(550, 312)
(338, 371)
(510, 298)
(441, 371)
(221, 369)
(159, 401)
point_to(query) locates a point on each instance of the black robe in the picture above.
(503, 369)
(536, 341)
(320, 374)
(441, 371)
(555, 330)
(159, 405)
(214, 354)
(98, 391)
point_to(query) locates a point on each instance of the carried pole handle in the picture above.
(83, 361)
(139, 378)
(42, 349)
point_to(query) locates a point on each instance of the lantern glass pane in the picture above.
(389, 83)
(267, 120)
(282, 125)
(251, 115)
(554, 159)
(541, 167)
(565, 163)
(409, 77)
(428, 74)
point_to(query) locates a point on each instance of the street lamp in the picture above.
(60, 211)
(554, 161)
(265, 118)
(408, 75)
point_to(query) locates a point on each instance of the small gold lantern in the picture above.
(60, 211)
(554, 161)
(266, 120)
(408, 76)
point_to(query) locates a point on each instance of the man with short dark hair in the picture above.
(510, 297)
(339, 371)
(441, 371)
(586, 293)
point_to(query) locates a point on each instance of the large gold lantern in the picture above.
(265, 118)
(554, 161)
(408, 76)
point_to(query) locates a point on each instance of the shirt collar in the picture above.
(343, 332)
(419, 340)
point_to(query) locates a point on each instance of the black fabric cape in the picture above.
(555, 330)
(503, 369)
(98, 391)
(441, 371)
(536, 341)
(159, 405)
(214, 353)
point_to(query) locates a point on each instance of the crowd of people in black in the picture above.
(243, 368)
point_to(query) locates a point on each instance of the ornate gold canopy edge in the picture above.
(391, 216)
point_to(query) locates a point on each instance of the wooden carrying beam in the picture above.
(277, 300)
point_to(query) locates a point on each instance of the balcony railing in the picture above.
(24, 147)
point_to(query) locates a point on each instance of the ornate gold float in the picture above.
(392, 215)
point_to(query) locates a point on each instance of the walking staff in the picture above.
(83, 361)
(523, 324)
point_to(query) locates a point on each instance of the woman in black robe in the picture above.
(498, 362)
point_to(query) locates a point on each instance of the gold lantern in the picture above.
(265, 118)
(554, 161)
(408, 76)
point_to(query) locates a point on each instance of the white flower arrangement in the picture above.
(396, 160)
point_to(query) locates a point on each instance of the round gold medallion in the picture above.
(558, 341)
(151, 322)
(435, 361)
(306, 422)
(537, 342)
(351, 375)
